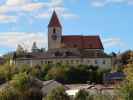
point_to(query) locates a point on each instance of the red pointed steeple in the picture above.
(54, 22)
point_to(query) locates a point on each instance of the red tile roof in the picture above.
(82, 42)
(54, 21)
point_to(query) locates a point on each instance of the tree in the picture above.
(8, 93)
(125, 89)
(36, 71)
(24, 68)
(126, 56)
(104, 97)
(19, 81)
(57, 73)
(7, 57)
(83, 95)
(57, 94)
(6, 72)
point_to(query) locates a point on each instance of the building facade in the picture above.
(67, 49)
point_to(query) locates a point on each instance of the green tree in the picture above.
(83, 95)
(125, 89)
(6, 72)
(126, 56)
(57, 94)
(19, 81)
(8, 93)
(36, 71)
(7, 57)
(104, 97)
(57, 73)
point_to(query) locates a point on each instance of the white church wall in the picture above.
(100, 62)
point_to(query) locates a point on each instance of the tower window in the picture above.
(54, 30)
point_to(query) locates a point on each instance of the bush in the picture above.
(83, 95)
(57, 94)
(6, 72)
(8, 93)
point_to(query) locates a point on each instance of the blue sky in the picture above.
(25, 21)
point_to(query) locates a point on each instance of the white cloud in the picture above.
(111, 42)
(16, 2)
(12, 39)
(32, 6)
(7, 19)
(70, 16)
(43, 15)
(101, 3)
(59, 8)
(55, 3)
(20, 5)
(28, 7)
(98, 3)
(17, 6)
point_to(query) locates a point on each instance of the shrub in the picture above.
(83, 95)
(57, 94)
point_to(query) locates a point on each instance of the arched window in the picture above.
(54, 30)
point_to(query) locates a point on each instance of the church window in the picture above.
(49, 62)
(41, 62)
(45, 62)
(67, 61)
(71, 61)
(77, 61)
(54, 30)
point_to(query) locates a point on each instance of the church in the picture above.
(66, 49)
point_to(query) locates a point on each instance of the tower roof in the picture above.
(54, 21)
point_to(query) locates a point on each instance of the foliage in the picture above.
(6, 72)
(74, 74)
(19, 88)
(125, 89)
(36, 71)
(19, 81)
(126, 57)
(24, 68)
(104, 97)
(57, 94)
(83, 95)
(56, 73)
(7, 57)
(8, 93)
(129, 72)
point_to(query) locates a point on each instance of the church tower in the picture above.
(54, 32)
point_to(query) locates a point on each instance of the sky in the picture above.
(25, 21)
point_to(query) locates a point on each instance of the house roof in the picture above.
(114, 76)
(49, 85)
(54, 21)
(64, 53)
(82, 42)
